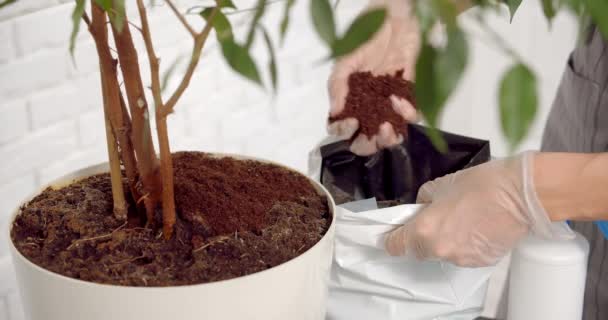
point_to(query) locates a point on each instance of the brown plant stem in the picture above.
(99, 32)
(181, 18)
(123, 132)
(116, 112)
(166, 162)
(199, 44)
(141, 137)
(118, 193)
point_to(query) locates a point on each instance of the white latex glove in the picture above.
(476, 216)
(395, 46)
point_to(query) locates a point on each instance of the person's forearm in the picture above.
(572, 186)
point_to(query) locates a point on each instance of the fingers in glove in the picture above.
(364, 146)
(387, 136)
(405, 109)
(425, 193)
(410, 239)
(428, 191)
(343, 129)
(396, 241)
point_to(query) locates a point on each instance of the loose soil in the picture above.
(234, 218)
(368, 101)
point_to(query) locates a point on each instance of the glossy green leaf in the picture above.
(549, 9)
(323, 20)
(240, 60)
(236, 55)
(359, 32)
(451, 63)
(259, 12)
(221, 25)
(513, 6)
(6, 3)
(272, 63)
(518, 103)
(285, 21)
(76, 19)
(426, 88)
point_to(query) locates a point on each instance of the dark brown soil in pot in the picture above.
(368, 101)
(234, 218)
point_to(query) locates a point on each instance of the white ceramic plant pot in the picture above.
(296, 289)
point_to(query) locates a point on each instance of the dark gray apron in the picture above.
(578, 122)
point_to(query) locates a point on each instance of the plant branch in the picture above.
(166, 162)
(100, 34)
(199, 43)
(86, 19)
(154, 62)
(181, 18)
(141, 136)
(497, 38)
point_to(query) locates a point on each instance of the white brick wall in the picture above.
(50, 109)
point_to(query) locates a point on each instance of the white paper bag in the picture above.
(367, 283)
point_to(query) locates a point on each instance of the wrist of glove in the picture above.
(476, 216)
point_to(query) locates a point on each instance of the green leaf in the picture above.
(240, 60)
(106, 5)
(118, 14)
(451, 63)
(227, 4)
(272, 63)
(6, 3)
(115, 10)
(518, 103)
(222, 4)
(446, 10)
(548, 9)
(426, 16)
(437, 139)
(426, 86)
(221, 25)
(359, 32)
(259, 12)
(598, 9)
(438, 72)
(76, 19)
(285, 21)
(323, 20)
(513, 6)
(236, 55)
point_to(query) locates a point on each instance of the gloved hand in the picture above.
(475, 216)
(395, 46)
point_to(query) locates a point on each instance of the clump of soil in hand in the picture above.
(368, 101)
(234, 218)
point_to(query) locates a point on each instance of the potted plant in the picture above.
(181, 235)
(190, 235)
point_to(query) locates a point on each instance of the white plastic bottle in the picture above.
(547, 279)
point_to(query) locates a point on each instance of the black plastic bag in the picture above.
(393, 176)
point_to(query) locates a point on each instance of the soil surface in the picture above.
(234, 218)
(368, 101)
